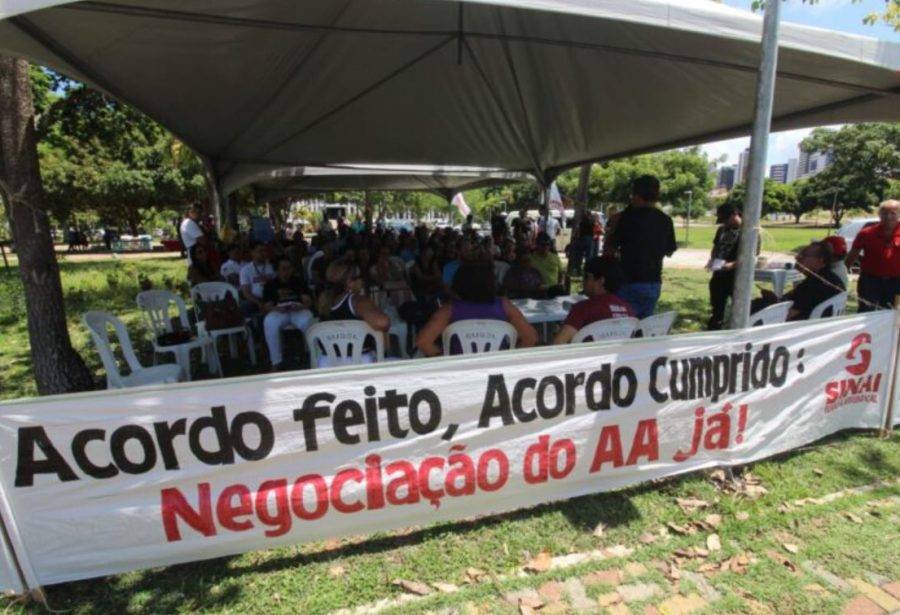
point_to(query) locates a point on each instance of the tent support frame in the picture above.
(759, 146)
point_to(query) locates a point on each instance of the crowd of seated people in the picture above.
(430, 278)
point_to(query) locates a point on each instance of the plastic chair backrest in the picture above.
(657, 325)
(500, 270)
(342, 341)
(609, 329)
(98, 324)
(155, 304)
(477, 336)
(838, 304)
(213, 291)
(775, 313)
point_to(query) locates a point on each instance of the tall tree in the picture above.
(777, 198)
(864, 160)
(57, 366)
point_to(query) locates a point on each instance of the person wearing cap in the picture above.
(723, 262)
(879, 244)
(838, 247)
(642, 237)
(603, 276)
(549, 264)
(819, 284)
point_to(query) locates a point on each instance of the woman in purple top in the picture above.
(475, 290)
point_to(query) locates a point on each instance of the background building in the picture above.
(779, 173)
(726, 178)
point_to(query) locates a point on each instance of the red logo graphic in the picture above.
(865, 355)
(860, 387)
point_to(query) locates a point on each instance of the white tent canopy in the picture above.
(442, 181)
(534, 86)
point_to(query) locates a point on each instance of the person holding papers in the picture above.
(286, 301)
(723, 262)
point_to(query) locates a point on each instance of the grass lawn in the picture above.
(111, 285)
(853, 534)
(775, 238)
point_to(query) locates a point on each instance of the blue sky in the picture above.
(843, 15)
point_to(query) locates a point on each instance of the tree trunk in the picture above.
(367, 205)
(58, 368)
(581, 198)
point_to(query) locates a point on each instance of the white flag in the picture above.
(555, 201)
(460, 202)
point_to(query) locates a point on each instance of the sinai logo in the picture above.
(861, 387)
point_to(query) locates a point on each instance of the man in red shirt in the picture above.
(879, 278)
(603, 276)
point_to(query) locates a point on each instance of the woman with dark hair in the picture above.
(425, 275)
(200, 269)
(345, 298)
(475, 292)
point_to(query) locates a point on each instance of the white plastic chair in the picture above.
(609, 329)
(341, 342)
(478, 336)
(775, 313)
(217, 291)
(156, 305)
(657, 325)
(838, 305)
(501, 268)
(98, 324)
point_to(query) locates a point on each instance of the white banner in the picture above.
(108, 482)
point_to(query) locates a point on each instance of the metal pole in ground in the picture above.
(687, 223)
(759, 144)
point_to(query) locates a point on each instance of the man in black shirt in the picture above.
(820, 284)
(643, 236)
(286, 301)
(722, 262)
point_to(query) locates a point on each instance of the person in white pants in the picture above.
(286, 300)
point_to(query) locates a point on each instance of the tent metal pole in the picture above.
(759, 145)
(214, 186)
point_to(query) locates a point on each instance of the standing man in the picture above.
(190, 230)
(723, 262)
(643, 236)
(522, 227)
(879, 277)
(548, 224)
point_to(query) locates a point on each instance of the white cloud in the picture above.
(782, 146)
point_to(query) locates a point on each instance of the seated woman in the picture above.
(427, 282)
(603, 276)
(286, 301)
(345, 299)
(201, 270)
(476, 298)
(522, 280)
(390, 274)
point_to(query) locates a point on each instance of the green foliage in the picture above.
(100, 156)
(890, 16)
(777, 197)
(679, 172)
(866, 158)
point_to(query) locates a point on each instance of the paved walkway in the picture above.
(692, 258)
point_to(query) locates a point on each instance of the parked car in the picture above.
(850, 229)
